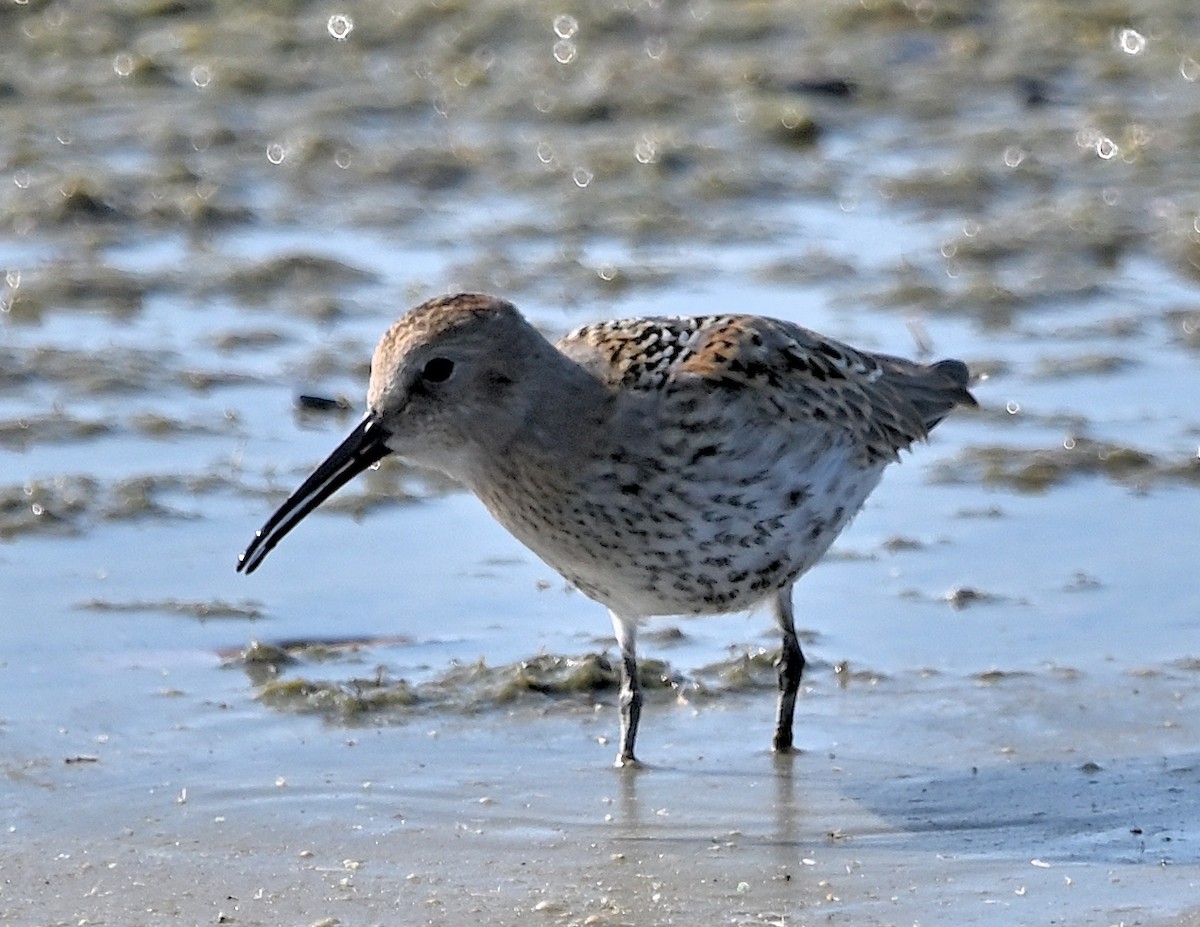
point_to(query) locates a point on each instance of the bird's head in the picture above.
(440, 378)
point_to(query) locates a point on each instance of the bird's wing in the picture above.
(885, 403)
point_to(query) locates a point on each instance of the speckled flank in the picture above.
(662, 465)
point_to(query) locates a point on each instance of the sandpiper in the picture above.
(664, 466)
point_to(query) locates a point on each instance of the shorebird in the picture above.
(663, 466)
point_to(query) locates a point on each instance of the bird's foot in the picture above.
(629, 761)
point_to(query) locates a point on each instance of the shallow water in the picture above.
(208, 213)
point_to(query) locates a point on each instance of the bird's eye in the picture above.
(438, 370)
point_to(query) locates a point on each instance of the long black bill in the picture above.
(360, 450)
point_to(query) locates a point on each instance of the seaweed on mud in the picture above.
(463, 687)
(1036, 470)
(71, 504)
(202, 610)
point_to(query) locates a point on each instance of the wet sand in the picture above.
(901, 811)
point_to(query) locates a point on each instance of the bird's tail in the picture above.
(940, 387)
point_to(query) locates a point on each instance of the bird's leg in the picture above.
(790, 667)
(630, 700)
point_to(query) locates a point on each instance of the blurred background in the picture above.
(208, 210)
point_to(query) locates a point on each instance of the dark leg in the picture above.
(790, 666)
(631, 693)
